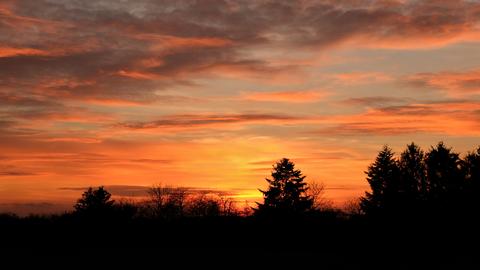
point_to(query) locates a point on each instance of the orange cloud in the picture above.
(257, 71)
(9, 51)
(457, 84)
(206, 120)
(49, 49)
(139, 75)
(450, 118)
(162, 42)
(9, 18)
(73, 139)
(304, 96)
(354, 78)
(412, 35)
(376, 101)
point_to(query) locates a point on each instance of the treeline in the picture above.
(288, 195)
(168, 203)
(415, 183)
(422, 210)
(436, 182)
(161, 203)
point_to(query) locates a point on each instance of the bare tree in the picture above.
(247, 209)
(227, 206)
(352, 207)
(316, 191)
(166, 201)
(203, 205)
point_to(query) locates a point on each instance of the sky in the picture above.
(209, 94)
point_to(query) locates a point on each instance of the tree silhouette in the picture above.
(166, 202)
(383, 178)
(316, 191)
(471, 170)
(471, 167)
(444, 175)
(436, 182)
(95, 202)
(286, 193)
(413, 181)
(204, 206)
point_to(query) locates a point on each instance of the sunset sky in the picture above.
(209, 94)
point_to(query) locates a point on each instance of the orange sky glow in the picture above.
(209, 94)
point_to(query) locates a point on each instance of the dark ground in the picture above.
(237, 242)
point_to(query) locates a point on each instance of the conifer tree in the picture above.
(444, 174)
(286, 193)
(413, 182)
(383, 178)
(471, 170)
(471, 165)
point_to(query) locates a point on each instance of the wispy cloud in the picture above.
(451, 118)
(9, 52)
(355, 78)
(192, 121)
(376, 101)
(456, 84)
(16, 173)
(305, 96)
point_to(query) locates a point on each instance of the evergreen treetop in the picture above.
(286, 192)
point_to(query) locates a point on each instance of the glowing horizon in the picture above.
(209, 94)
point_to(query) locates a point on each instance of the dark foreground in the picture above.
(227, 242)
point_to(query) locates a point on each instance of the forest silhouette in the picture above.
(422, 209)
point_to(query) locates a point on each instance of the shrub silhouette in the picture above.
(204, 206)
(125, 210)
(286, 193)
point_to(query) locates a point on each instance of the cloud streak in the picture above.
(194, 121)
(451, 118)
(305, 96)
(456, 84)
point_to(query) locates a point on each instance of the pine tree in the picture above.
(471, 170)
(286, 193)
(383, 178)
(413, 182)
(444, 174)
(471, 167)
